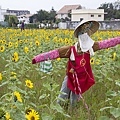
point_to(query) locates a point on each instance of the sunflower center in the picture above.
(1, 48)
(28, 84)
(32, 118)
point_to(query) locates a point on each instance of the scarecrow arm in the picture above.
(104, 44)
(109, 43)
(46, 56)
(64, 52)
(96, 46)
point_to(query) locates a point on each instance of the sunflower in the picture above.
(15, 57)
(2, 48)
(92, 61)
(13, 73)
(114, 56)
(13, 76)
(26, 50)
(97, 61)
(31, 44)
(1, 41)
(20, 41)
(29, 83)
(26, 41)
(58, 59)
(16, 44)
(10, 44)
(17, 96)
(7, 116)
(4, 41)
(37, 43)
(0, 76)
(32, 115)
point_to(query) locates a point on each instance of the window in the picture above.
(81, 19)
(99, 15)
(92, 15)
(62, 15)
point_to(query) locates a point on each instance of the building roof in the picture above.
(68, 8)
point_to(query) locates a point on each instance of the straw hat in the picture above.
(89, 26)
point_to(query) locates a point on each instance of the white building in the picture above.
(2, 13)
(25, 18)
(65, 10)
(87, 14)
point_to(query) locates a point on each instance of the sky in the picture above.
(35, 5)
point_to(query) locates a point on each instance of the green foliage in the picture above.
(43, 15)
(12, 20)
(31, 26)
(112, 10)
(108, 74)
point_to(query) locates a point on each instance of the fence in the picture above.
(3, 24)
(104, 25)
(112, 25)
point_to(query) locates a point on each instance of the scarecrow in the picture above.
(79, 77)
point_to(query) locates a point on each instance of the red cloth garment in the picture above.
(80, 76)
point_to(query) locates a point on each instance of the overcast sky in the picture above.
(36, 5)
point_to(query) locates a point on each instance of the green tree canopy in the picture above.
(11, 19)
(112, 10)
(43, 15)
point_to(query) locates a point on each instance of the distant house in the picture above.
(2, 12)
(66, 10)
(25, 18)
(87, 14)
(77, 13)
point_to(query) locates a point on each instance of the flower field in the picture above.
(26, 93)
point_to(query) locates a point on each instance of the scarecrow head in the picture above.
(86, 26)
(83, 32)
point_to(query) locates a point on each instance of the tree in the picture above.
(52, 15)
(45, 17)
(112, 10)
(69, 13)
(11, 19)
(42, 15)
(117, 5)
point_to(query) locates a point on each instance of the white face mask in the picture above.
(85, 42)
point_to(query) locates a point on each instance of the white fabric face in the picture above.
(85, 42)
